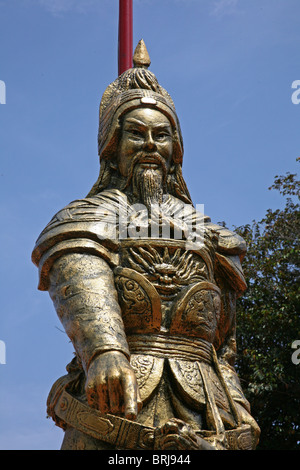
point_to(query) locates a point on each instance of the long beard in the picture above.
(147, 184)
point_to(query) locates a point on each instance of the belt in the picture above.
(171, 346)
(126, 434)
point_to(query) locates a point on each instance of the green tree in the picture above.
(269, 320)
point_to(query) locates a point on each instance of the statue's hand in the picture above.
(111, 385)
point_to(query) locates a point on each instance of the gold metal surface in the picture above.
(141, 57)
(145, 287)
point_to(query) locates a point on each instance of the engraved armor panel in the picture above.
(148, 371)
(197, 312)
(139, 301)
(170, 282)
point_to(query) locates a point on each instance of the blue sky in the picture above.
(229, 66)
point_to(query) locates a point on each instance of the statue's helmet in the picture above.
(135, 88)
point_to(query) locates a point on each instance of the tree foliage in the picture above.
(269, 320)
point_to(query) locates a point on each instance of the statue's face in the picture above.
(146, 135)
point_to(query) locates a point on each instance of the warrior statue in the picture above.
(145, 286)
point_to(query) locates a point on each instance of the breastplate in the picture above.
(165, 289)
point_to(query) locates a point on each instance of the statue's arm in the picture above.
(84, 295)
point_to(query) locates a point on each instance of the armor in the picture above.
(177, 322)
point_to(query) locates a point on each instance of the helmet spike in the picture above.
(141, 57)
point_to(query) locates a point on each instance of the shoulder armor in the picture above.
(85, 225)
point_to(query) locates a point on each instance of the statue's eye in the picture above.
(136, 133)
(162, 136)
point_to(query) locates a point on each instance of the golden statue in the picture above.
(145, 286)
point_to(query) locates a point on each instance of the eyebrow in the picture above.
(143, 124)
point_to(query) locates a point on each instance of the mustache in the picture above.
(142, 157)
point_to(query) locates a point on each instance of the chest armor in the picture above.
(170, 307)
(164, 288)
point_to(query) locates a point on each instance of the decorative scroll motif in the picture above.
(189, 381)
(148, 371)
(142, 366)
(239, 440)
(134, 297)
(139, 301)
(197, 312)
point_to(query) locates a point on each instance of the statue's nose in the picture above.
(149, 142)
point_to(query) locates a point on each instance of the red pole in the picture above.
(125, 36)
